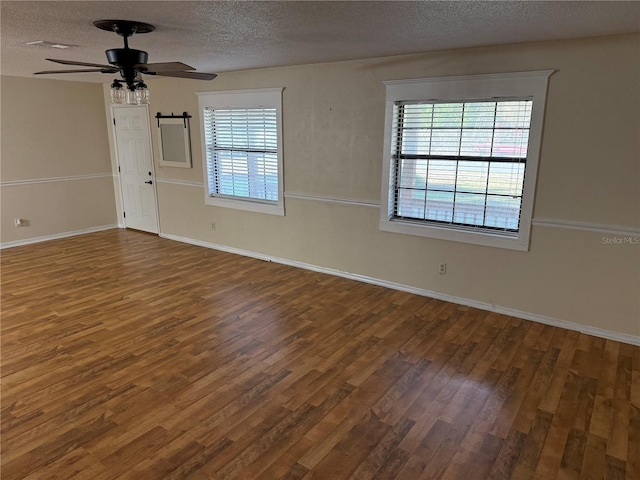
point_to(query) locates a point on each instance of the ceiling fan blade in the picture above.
(86, 70)
(167, 66)
(82, 64)
(192, 75)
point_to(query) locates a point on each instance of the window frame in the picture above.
(466, 88)
(243, 99)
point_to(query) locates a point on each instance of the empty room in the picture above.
(320, 240)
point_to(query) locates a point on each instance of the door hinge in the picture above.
(125, 214)
(114, 121)
(118, 168)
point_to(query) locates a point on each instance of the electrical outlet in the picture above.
(442, 268)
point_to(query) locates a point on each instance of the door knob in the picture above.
(149, 182)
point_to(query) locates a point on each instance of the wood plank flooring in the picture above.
(127, 356)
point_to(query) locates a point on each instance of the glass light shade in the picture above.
(117, 92)
(131, 97)
(142, 94)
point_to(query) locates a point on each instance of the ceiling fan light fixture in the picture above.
(135, 94)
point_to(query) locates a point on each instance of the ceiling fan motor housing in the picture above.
(126, 57)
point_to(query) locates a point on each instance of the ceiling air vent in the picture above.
(44, 43)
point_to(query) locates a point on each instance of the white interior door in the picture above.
(135, 161)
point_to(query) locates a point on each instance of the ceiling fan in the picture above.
(131, 63)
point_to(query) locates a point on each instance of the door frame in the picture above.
(153, 163)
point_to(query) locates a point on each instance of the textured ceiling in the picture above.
(223, 36)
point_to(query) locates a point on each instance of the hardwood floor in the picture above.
(126, 356)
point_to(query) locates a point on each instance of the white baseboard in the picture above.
(55, 236)
(589, 330)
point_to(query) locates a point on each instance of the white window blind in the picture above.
(242, 153)
(460, 163)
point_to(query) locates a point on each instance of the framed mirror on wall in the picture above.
(174, 138)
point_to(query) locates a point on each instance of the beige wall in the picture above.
(51, 132)
(333, 134)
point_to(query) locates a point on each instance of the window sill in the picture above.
(487, 239)
(246, 205)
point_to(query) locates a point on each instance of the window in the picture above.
(461, 157)
(242, 149)
(461, 163)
